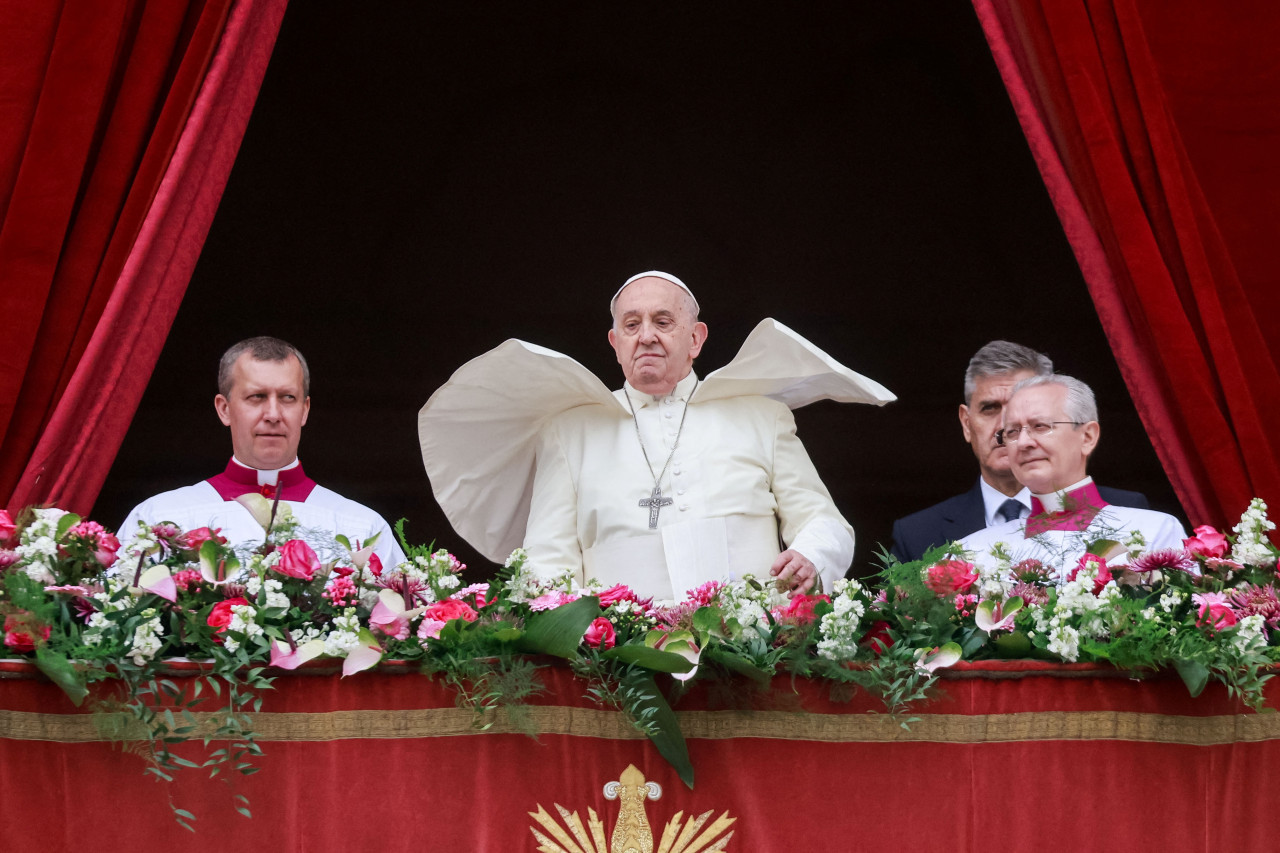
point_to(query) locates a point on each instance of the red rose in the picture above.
(877, 637)
(297, 560)
(1104, 574)
(193, 539)
(600, 634)
(17, 633)
(7, 527)
(1207, 542)
(950, 577)
(220, 616)
(450, 609)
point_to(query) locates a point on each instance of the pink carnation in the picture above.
(600, 634)
(297, 560)
(551, 600)
(1207, 542)
(103, 544)
(950, 577)
(799, 611)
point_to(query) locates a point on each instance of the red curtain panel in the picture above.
(122, 120)
(1154, 127)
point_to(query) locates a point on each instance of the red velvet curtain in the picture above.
(1154, 125)
(119, 122)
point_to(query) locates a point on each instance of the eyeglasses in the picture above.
(1005, 437)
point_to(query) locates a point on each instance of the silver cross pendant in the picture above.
(655, 502)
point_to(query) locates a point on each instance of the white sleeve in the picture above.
(551, 536)
(807, 517)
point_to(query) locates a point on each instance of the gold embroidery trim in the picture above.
(711, 725)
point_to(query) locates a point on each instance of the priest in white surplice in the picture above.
(263, 397)
(664, 484)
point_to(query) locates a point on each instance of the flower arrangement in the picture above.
(1207, 610)
(92, 610)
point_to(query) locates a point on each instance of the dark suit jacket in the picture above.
(955, 518)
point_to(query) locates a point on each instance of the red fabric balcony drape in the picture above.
(119, 122)
(1154, 125)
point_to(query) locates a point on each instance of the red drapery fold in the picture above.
(1106, 91)
(118, 138)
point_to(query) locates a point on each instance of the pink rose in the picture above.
(297, 560)
(622, 592)
(600, 634)
(220, 616)
(950, 577)
(193, 539)
(799, 611)
(1215, 612)
(1206, 542)
(7, 527)
(7, 558)
(1104, 574)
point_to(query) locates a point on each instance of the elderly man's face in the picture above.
(1052, 462)
(654, 335)
(981, 418)
(265, 410)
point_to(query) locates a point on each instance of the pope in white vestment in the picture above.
(663, 485)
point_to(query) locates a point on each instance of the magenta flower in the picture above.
(1166, 560)
(1215, 612)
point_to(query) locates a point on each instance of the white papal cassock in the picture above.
(561, 469)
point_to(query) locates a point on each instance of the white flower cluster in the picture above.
(839, 628)
(1076, 603)
(524, 585)
(1170, 600)
(749, 607)
(1250, 636)
(243, 621)
(146, 637)
(994, 581)
(275, 591)
(1251, 536)
(345, 635)
(98, 624)
(38, 547)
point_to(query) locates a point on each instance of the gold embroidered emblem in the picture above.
(631, 832)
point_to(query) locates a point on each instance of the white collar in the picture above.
(1056, 501)
(266, 477)
(680, 393)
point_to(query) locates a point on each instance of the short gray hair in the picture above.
(1080, 405)
(261, 348)
(1000, 357)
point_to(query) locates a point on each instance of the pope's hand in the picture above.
(794, 572)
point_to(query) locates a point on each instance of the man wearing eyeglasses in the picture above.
(1050, 427)
(997, 496)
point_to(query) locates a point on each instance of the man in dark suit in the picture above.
(997, 496)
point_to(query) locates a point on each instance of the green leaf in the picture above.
(735, 663)
(664, 728)
(649, 658)
(65, 523)
(559, 632)
(1194, 674)
(62, 673)
(707, 619)
(1014, 645)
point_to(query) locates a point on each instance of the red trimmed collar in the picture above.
(239, 480)
(1079, 508)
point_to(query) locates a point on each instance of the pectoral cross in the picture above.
(655, 502)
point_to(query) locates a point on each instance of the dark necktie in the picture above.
(1010, 510)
